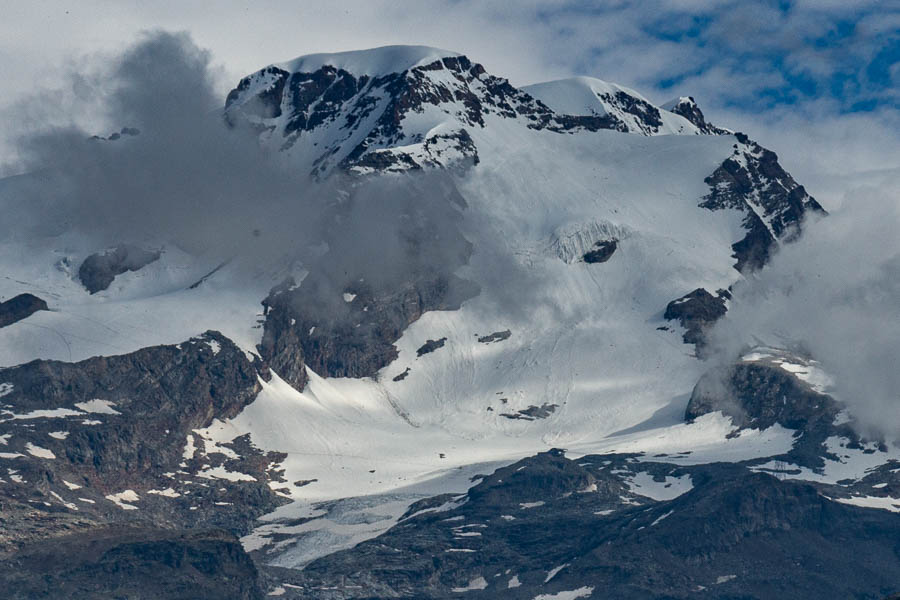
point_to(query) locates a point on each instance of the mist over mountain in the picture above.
(379, 324)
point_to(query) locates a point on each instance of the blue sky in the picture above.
(847, 53)
(817, 80)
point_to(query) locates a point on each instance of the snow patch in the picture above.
(478, 583)
(582, 592)
(552, 573)
(643, 484)
(38, 452)
(54, 413)
(62, 501)
(103, 407)
(168, 493)
(221, 472)
(884, 503)
(660, 518)
(122, 498)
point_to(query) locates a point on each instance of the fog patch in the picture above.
(834, 295)
(168, 170)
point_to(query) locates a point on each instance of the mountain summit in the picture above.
(408, 107)
(478, 360)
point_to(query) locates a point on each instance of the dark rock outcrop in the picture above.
(532, 412)
(697, 311)
(602, 252)
(402, 375)
(126, 562)
(139, 396)
(497, 336)
(343, 319)
(353, 340)
(774, 205)
(346, 102)
(648, 116)
(366, 113)
(430, 346)
(98, 271)
(547, 525)
(20, 307)
(687, 107)
(80, 434)
(759, 396)
(118, 135)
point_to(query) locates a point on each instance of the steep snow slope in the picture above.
(587, 96)
(555, 350)
(155, 305)
(583, 336)
(584, 341)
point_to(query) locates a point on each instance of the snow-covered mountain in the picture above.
(546, 282)
(407, 107)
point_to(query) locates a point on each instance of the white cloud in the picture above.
(835, 294)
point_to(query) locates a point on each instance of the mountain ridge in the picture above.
(499, 310)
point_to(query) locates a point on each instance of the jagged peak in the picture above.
(680, 101)
(373, 62)
(687, 107)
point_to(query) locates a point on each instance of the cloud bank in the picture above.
(190, 180)
(834, 295)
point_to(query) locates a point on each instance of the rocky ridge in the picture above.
(110, 439)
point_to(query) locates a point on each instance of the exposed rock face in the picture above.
(430, 346)
(344, 317)
(98, 271)
(366, 111)
(602, 252)
(532, 412)
(748, 536)
(774, 205)
(497, 336)
(110, 439)
(547, 525)
(123, 562)
(696, 312)
(20, 307)
(118, 135)
(759, 396)
(364, 115)
(647, 114)
(435, 549)
(687, 107)
(354, 340)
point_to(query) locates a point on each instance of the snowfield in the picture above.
(588, 343)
